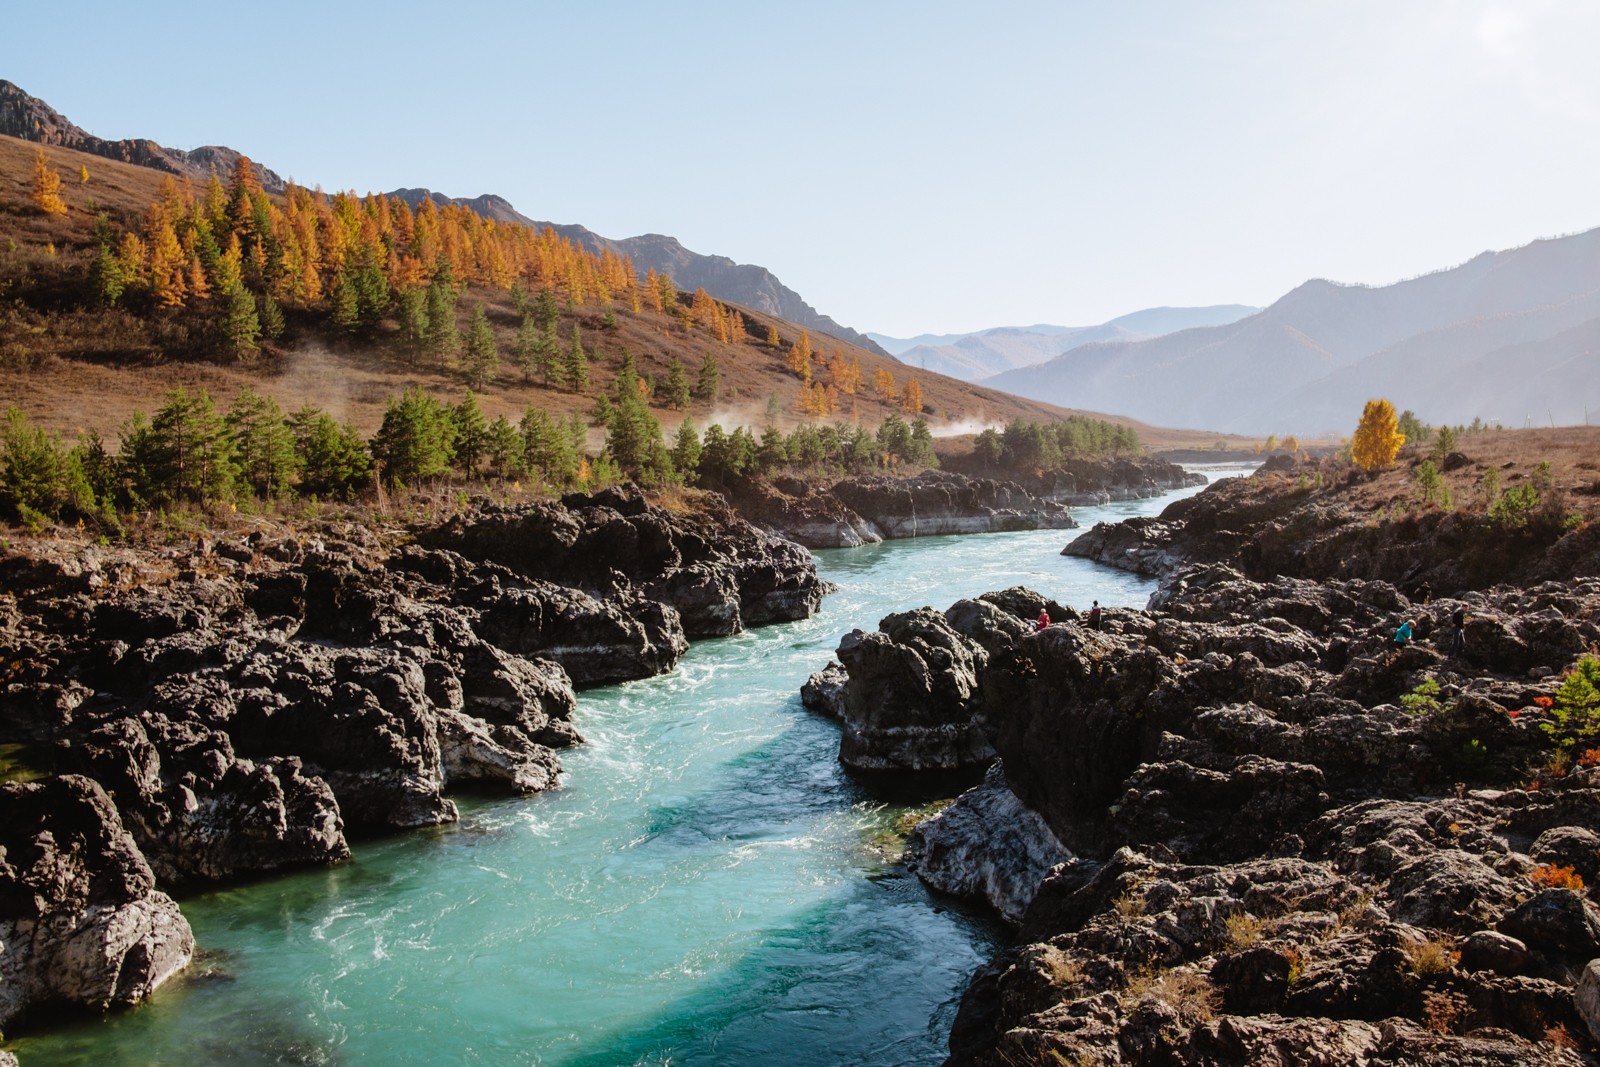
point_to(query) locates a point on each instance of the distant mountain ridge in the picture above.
(983, 353)
(1508, 336)
(31, 119)
(752, 286)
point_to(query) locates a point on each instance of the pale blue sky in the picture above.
(906, 167)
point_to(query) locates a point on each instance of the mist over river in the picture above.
(708, 887)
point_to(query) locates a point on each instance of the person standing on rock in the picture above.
(1043, 620)
(1458, 634)
(1094, 616)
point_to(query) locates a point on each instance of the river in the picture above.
(708, 886)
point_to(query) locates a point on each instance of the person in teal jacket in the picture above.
(1402, 636)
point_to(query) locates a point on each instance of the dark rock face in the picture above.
(239, 708)
(81, 920)
(911, 696)
(719, 573)
(1270, 858)
(868, 510)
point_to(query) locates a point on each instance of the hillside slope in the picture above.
(751, 286)
(72, 365)
(1441, 344)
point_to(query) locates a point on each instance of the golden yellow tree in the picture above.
(47, 186)
(772, 336)
(911, 401)
(883, 382)
(800, 357)
(83, 174)
(1377, 439)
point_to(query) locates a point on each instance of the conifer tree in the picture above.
(83, 174)
(483, 358)
(883, 383)
(577, 365)
(47, 186)
(30, 468)
(772, 336)
(187, 453)
(547, 447)
(686, 450)
(332, 459)
(677, 389)
(633, 440)
(502, 447)
(545, 311)
(799, 358)
(270, 316)
(709, 382)
(417, 439)
(106, 278)
(264, 446)
(241, 327)
(773, 452)
(444, 339)
(471, 434)
(911, 400)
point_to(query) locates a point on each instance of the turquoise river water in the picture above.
(708, 887)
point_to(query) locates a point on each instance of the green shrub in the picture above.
(1423, 699)
(1575, 715)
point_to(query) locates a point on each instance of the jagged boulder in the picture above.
(81, 920)
(910, 700)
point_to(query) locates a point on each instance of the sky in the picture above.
(906, 167)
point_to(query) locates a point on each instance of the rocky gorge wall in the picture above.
(233, 708)
(1225, 837)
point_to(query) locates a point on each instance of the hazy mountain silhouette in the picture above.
(1505, 336)
(971, 356)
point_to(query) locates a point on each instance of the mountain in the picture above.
(746, 284)
(1508, 336)
(973, 356)
(31, 119)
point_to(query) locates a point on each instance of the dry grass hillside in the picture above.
(71, 365)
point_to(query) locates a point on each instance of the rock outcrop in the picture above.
(1273, 840)
(719, 573)
(867, 510)
(81, 921)
(239, 707)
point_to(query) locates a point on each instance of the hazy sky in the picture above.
(906, 167)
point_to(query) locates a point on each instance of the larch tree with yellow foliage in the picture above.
(800, 357)
(911, 399)
(47, 186)
(883, 383)
(1377, 440)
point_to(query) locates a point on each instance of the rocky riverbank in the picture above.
(238, 706)
(1241, 827)
(868, 510)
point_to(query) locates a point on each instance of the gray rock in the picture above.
(988, 846)
(1588, 997)
(1488, 950)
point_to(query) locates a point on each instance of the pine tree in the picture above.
(444, 339)
(1377, 438)
(47, 186)
(263, 445)
(633, 440)
(471, 434)
(187, 453)
(547, 447)
(483, 357)
(709, 382)
(270, 316)
(31, 466)
(502, 447)
(577, 365)
(677, 389)
(106, 278)
(332, 460)
(686, 450)
(417, 439)
(241, 327)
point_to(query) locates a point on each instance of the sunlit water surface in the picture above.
(708, 887)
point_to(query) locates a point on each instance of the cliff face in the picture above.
(31, 119)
